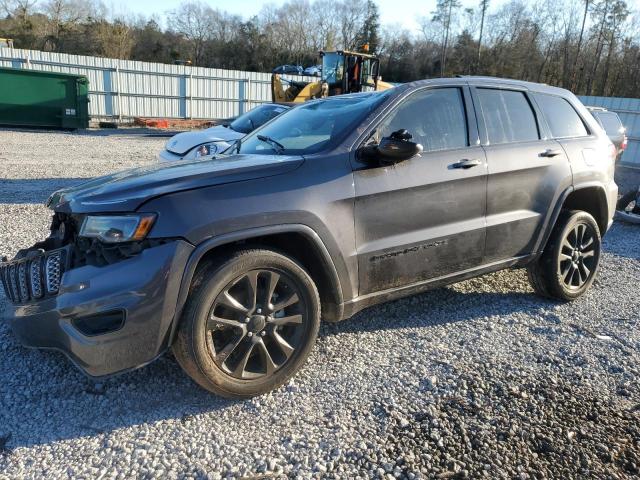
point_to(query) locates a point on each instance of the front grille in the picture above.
(35, 274)
(4, 281)
(13, 285)
(33, 278)
(22, 282)
(53, 269)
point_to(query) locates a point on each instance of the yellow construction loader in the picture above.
(342, 72)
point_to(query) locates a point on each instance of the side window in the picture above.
(563, 120)
(611, 123)
(435, 118)
(508, 116)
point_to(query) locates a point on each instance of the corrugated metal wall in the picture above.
(125, 88)
(629, 111)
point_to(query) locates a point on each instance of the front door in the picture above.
(425, 217)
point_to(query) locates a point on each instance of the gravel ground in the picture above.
(479, 379)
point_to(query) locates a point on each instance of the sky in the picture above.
(404, 13)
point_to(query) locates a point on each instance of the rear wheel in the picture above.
(570, 261)
(249, 323)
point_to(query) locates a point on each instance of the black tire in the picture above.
(626, 199)
(570, 261)
(231, 340)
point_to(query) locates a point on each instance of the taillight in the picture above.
(623, 146)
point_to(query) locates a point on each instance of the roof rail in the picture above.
(489, 77)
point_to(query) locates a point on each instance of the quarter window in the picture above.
(435, 118)
(610, 122)
(563, 120)
(508, 116)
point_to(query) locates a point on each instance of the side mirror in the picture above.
(393, 149)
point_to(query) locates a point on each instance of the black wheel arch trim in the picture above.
(203, 248)
(548, 228)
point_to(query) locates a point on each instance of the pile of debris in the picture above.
(176, 123)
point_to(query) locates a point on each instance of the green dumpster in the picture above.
(31, 98)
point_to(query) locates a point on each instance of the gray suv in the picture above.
(336, 205)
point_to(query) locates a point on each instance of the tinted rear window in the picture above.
(610, 122)
(563, 120)
(508, 116)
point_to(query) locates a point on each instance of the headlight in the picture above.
(205, 150)
(117, 228)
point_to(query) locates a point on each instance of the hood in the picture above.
(125, 191)
(185, 141)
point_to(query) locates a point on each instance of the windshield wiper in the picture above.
(235, 147)
(277, 146)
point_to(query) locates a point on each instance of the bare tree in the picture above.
(115, 39)
(444, 15)
(326, 19)
(618, 15)
(352, 15)
(429, 29)
(574, 69)
(546, 20)
(18, 8)
(63, 15)
(195, 21)
(484, 6)
(600, 10)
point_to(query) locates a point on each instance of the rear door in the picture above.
(525, 170)
(587, 150)
(424, 217)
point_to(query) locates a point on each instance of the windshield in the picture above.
(313, 126)
(369, 72)
(256, 117)
(332, 68)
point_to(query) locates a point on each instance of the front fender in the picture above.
(244, 235)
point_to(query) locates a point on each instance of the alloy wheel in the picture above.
(256, 323)
(578, 256)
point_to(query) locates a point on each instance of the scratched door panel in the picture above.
(420, 219)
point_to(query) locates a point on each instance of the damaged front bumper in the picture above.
(106, 318)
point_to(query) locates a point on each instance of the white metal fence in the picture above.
(628, 109)
(121, 89)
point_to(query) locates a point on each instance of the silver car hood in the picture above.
(183, 142)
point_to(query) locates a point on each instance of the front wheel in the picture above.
(250, 323)
(570, 261)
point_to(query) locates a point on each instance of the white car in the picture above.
(204, 143)
(313, 71)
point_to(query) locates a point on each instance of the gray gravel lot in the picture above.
(480, 379)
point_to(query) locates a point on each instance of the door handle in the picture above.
(551, 153)
(466, 163)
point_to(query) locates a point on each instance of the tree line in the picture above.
(591, 47)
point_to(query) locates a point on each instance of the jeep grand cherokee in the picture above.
(336, 205)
